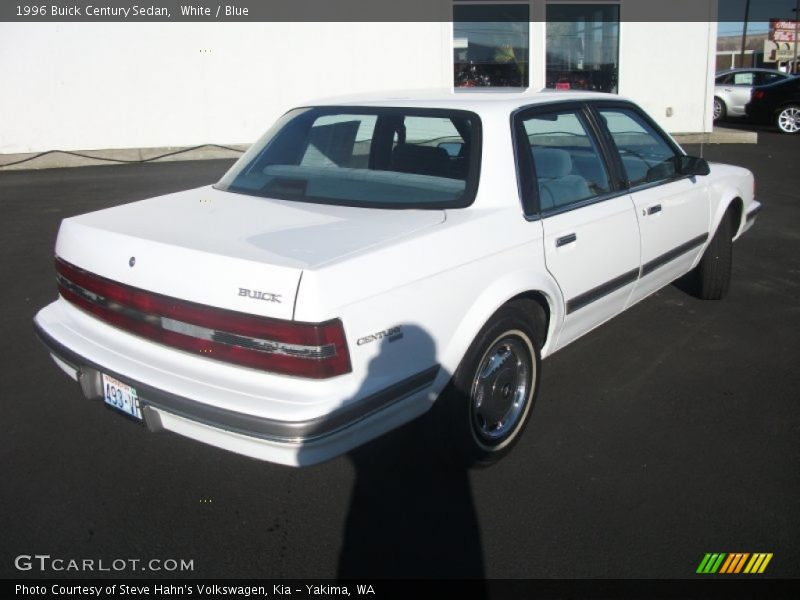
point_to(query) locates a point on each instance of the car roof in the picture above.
(794, 80)
(473, 99)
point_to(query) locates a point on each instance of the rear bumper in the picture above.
(296, 443)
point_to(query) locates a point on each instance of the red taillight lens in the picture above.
(758, 95)
(313, 350)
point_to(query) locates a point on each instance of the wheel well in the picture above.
(538, 299)
(736, 210)
(780, 107)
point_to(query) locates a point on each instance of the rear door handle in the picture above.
(567, 239)
(654, 209)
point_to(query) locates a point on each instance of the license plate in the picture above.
(121, 396)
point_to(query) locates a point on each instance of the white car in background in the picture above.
(371, 258)
(732, 89)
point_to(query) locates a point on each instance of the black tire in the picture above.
(787, 119)
(484, 410)
(720, 110)
(713, 273)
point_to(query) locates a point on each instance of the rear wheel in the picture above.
(719, 109)
(714, 270)
(788, 119)
(487, 404)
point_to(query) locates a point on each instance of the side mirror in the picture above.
(692, 165)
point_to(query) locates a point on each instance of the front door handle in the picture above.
(654, 209)
(564, 240)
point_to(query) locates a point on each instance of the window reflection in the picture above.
(490, 45)
(583, 47)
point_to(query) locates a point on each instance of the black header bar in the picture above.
(358, 10)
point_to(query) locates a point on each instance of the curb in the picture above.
(720, 135)
(57, 159)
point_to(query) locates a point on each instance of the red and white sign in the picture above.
(782, 35)
(782, 31)
(776, 24)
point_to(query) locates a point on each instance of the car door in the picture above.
(739, 89)
(591, 235)
(672, 209)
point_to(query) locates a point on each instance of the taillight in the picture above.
(758, 94)
(313, 350)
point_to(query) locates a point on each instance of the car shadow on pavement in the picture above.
(411, 513)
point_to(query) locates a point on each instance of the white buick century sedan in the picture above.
(370, 259)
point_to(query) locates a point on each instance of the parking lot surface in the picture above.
(668, 433)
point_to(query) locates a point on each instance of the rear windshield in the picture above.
(370, 157)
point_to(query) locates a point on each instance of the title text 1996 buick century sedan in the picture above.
(370, 259)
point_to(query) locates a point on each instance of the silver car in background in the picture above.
(732, 89)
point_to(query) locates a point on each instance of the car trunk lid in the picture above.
(227, 250)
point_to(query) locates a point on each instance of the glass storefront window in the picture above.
(490, 45)
(583, 47)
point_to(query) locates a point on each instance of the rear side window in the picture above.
(767, 78)
(370, 157)
(746, 78)
(646, 155)
(566, 159)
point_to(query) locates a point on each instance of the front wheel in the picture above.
(719, 109)
(788, 119)
(714, 270)
(486, 406)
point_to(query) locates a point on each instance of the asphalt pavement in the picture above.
(670, 432)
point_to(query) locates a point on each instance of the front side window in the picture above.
(490, 45)
(566, 159)
(646, 155)
(582, 47)
(382, 158)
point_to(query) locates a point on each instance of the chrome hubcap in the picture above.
(717, 109)
(789, 120)
(501, 389)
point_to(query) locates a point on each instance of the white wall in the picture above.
(73, 86)
(670, 65)
(80, 86)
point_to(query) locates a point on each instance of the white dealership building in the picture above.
(93, 85)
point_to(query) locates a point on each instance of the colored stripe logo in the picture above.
(734, 563)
